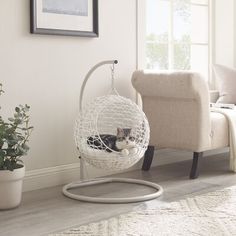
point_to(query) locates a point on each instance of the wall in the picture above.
(46, 72)
(225, 32)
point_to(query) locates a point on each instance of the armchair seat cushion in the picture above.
(219, 130)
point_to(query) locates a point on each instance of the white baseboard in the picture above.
(48, 177)
(59, 175)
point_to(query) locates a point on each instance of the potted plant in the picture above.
(14, 136)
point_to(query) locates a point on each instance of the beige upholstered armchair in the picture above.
(177, 107)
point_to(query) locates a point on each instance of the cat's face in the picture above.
(124, 139)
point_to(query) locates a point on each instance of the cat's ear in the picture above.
(129, 131)
(120, 132)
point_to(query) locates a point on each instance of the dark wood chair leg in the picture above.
(194, 170)
(148, 156)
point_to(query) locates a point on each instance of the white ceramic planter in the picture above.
(11, 188)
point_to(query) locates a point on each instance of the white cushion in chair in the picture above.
(219, 130)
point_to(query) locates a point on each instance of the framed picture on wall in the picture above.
(64, 17)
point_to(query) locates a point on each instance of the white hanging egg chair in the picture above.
(102, 118)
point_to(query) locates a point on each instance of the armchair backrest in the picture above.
(177, 107)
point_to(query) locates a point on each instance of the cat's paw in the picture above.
(133, 150)
(125, 152)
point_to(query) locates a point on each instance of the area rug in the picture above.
(212, 214)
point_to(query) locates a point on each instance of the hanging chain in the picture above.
(113, 89)
(113, 77)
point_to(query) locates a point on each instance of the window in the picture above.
(177, 36)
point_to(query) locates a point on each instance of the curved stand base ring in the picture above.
(158, 188)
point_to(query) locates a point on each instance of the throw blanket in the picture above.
(230, 115)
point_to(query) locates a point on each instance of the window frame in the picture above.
(141, 35)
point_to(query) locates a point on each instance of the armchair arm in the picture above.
(177, 107)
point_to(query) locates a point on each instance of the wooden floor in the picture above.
(45, 211)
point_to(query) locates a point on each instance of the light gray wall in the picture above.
(225, 32)
(46, 72)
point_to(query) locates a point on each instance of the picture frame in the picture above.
(64, 17)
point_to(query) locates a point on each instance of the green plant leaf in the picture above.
(1, 163)
(25, 147)
(2, 154)
(14, 135)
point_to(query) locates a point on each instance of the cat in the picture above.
(121, 142)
